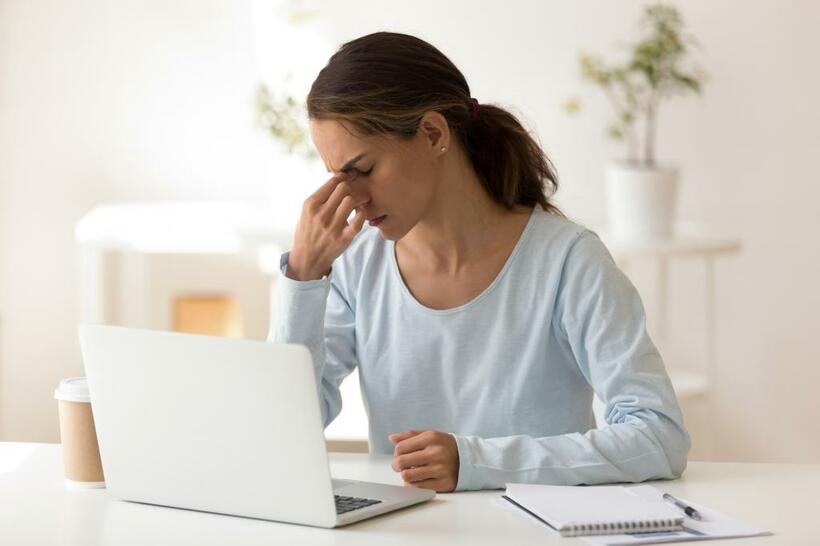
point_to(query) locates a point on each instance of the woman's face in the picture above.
(399, 177)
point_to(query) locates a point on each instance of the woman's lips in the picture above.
(378, 220)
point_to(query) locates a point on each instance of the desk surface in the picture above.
(37, 508)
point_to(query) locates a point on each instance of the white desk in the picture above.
(37, 508)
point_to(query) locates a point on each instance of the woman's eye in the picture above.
(365, 173)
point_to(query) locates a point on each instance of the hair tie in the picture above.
(474, 109)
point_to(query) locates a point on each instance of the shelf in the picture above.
(689, 239)
(183, 227)
(689, 384)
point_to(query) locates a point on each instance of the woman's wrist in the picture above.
(297, 271)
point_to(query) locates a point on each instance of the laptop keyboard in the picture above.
(348, 504)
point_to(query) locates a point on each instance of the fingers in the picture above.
(348, 204)
(324, 192)
(416, 458)
(323, 232)
(399, 436)
(356, 225)
(427, 459)
(414, 443)
(442, 485)
(340, 191)
(421, 473)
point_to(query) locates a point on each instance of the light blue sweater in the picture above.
(510, 374)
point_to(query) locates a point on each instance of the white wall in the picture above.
(745, 150)
(106, 101)
(118, 100)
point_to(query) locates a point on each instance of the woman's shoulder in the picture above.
(567, 246)
(558, 243)
(555, 233)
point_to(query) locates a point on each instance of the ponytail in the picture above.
(385, 82)
(509, 162)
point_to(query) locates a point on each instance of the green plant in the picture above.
(635, 88)
(281, 115)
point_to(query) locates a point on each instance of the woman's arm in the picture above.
(316, 314)
(601, 315)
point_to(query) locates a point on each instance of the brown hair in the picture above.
(383, 83)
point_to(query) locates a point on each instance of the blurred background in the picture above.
(151, 171)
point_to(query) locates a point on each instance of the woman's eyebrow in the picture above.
(350, 163)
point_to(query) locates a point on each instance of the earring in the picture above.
(443, 149)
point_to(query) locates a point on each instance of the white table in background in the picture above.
(691, 243)
(37, 508)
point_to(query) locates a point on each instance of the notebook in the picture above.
(713, 525)
(593, 510)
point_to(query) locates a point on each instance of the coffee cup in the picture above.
(81, 454)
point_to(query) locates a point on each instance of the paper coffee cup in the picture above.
(81, 454)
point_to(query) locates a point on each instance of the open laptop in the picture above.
(220, 425)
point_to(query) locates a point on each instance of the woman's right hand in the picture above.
(323, 232)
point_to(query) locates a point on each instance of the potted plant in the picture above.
(640, 193)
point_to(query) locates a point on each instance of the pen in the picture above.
(688, 510)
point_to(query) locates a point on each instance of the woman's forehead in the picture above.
(338, 144)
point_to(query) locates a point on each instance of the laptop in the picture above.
(220, 425)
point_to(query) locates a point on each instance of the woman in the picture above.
(481, 320)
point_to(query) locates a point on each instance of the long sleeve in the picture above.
(600, 314)
(315, 314)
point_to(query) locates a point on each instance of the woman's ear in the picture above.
(435, 130)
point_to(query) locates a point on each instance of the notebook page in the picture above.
(561, 506)
(714, 525)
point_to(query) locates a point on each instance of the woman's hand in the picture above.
(323, 233)
(427, 459)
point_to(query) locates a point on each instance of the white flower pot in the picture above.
(640, 202)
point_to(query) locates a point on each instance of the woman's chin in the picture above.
(387, 237)
(388, 234)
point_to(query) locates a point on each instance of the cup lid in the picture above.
(73, 389)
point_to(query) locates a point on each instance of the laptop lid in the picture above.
(206, 423)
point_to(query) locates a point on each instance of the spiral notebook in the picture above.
(593, 510)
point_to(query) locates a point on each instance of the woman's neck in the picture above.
(463, 224)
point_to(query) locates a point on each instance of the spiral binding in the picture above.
(621, 527)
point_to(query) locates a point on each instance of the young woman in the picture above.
(480, 318)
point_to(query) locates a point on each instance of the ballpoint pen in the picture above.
(688, 510)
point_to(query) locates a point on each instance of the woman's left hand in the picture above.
(426, 458)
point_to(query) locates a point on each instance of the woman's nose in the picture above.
(358, 192)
